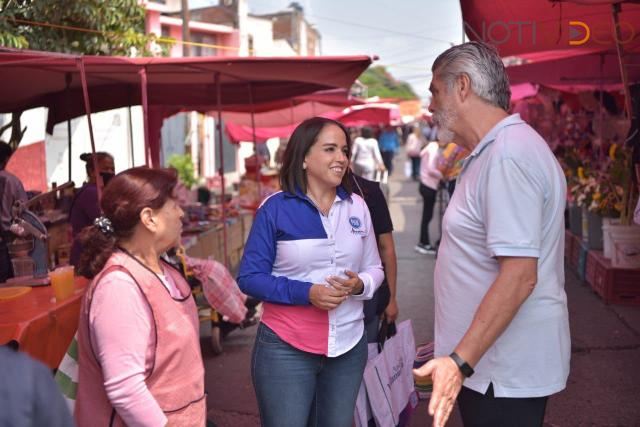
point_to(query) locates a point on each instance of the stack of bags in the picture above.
(424, 386)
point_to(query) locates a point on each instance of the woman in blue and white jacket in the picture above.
(312, 257)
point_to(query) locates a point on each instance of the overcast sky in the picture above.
(407, 35)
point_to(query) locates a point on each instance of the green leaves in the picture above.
(95, 27)
(184, 165)
(381, 83)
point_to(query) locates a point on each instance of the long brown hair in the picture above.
(292, 174)
(126, 195)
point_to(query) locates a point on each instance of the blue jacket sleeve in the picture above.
(254, 276)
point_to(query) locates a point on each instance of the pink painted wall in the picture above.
(29, 164)
(232, 39)
(152, 24)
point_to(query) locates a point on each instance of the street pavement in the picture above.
(603, 387)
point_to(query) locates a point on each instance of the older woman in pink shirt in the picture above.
(139, 353)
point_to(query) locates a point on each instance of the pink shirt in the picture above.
(123, 336)
(429, 174)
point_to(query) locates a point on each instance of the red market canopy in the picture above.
(37, 79)
(239, 133)
(371, 114)
(575, 71)
(63, 83)
(517, 27)
(163, 86)
(292, 111)
(609, 27)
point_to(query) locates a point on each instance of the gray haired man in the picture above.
(502, 340)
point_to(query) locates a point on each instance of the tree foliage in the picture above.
(381, 83)
(184, 165)
(113, 27)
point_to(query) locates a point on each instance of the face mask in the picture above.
(106, 177)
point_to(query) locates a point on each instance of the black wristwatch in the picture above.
(464, 367)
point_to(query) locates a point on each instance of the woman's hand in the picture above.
(351, 286)
(325, 297)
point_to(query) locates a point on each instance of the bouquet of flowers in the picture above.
(611, 193)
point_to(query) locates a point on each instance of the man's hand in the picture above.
(351, 286)
(391, 312)
(325, 297)
(447, 381)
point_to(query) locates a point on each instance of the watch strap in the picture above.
(464, 367)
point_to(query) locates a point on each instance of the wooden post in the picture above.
(87, 108)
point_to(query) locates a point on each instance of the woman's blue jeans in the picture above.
(297, 389)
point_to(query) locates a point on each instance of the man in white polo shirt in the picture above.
(502, 338)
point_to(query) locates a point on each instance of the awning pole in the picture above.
(255, 141)
(131, 136)
(87, 108)
(145, 114)
(615, 9)
(221, 170)
(70, 156)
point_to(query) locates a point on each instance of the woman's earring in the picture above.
(304, 166)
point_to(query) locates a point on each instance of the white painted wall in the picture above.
(111, 134)
(35, 120)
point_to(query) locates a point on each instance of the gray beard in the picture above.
(444, 120)
(445, 135)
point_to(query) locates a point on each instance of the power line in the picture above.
(413, 60)
(354, 24)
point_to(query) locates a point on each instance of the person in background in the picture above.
(282, 146)
(384, 301)
(29, 397)
(11, 189)
(85, 207)
(502, 341)
(311, 256)
(414, 145)
(389, 145)
(430, 178)
(365, 155)
(139, 356)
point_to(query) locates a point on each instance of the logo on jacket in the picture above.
(355, 225)
(355, 222)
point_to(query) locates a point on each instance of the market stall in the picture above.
(40, 324)
(70, 85)
(582, 56)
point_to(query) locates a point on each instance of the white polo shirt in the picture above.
(509, 201)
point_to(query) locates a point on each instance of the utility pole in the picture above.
(186, 51)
